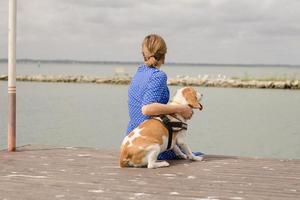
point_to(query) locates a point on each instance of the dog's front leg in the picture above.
(178, 152)
(186, 149)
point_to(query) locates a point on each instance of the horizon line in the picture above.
(139, 62)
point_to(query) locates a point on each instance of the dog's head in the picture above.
(189, 96)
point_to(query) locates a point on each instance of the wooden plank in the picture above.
(39, 172)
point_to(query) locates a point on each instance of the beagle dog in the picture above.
(142, 146)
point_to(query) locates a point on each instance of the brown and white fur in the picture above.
(141, 147)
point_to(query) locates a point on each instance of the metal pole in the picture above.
(12, 16)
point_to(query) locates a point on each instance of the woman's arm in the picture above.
(159, 109)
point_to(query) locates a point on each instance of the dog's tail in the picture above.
(123, 160)
(124, 163)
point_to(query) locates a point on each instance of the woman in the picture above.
(148, 93)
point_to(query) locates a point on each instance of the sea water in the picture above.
(242, 122)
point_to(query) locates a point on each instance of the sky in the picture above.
(196, 31)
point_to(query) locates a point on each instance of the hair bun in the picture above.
(151, 61)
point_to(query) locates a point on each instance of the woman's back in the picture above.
(149, 85)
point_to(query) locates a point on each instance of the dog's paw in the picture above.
(196, 158)
(182, 156)
(156, 164)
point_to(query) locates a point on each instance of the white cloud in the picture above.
(243, 31)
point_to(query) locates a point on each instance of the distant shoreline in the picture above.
(179, 81)
(66, 61)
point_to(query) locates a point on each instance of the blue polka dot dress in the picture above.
(149, 85)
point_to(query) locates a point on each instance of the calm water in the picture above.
(248, 122)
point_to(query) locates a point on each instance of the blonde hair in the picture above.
(154, 50)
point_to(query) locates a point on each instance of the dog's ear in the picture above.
(190, 96)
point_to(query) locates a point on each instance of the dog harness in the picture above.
(172, 127)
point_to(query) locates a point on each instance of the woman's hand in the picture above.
(186, 111)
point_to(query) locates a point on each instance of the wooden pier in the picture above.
(41, 172)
